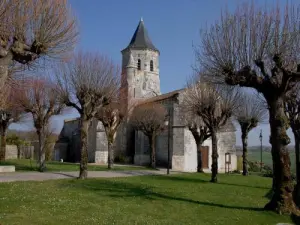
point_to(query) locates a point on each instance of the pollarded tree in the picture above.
(10, 111)
(40, 98)
(292, 109)
(87, 83)
(150, 119)
(215, 105)
(260, 48)
(111, 117)
(249, 114)
(199, 131)
(30, 29)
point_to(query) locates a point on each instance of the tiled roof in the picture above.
(140, 38)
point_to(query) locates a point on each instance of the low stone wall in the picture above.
(26, 152)
(7, 169)
(101, 157)
(11, 152)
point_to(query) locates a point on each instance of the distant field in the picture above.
(254, 155)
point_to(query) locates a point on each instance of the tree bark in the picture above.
(19, 151)
(297, 159)
(282, 199)
(199, 157)
(297, 152)
(84, 149)
(5, 62)
(41, 151)
(152, 151)
(245, 152)
(3, 145)
(214, 156)
(110, 159)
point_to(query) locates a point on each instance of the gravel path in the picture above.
(36, 176)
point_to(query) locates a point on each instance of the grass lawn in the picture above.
(31, 165)
(175, 200)
(267, 158)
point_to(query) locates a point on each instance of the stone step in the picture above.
(5, 169)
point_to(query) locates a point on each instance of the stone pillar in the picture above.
(101, 153)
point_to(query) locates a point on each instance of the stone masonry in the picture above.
(140, 81)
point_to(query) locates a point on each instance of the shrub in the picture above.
(253, 166)
(120, 158)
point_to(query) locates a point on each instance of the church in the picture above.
(141, 80)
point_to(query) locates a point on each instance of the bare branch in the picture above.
(33, 29)
(253, 47)
(149, 118)
(250, 112)
(88, 82)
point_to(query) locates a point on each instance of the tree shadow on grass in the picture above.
(201, 180)
(117, 189)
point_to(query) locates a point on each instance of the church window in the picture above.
(139, 64)
(151, 65)
(133, 92)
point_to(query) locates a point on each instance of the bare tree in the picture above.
(198, 129)
(10, 112)
(249, 114)
(87, 83)
(111, 117)
(149, 118)
(260, 48)
(31, 29)
(40, 99)
(215, 106)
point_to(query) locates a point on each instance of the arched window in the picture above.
(139, 64)
(151, 65)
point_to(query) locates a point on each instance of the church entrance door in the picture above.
(204, 151)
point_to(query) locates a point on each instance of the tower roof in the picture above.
(140, 38)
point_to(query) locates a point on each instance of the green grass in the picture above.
(267, 158)
(177, 199)
(23, 165)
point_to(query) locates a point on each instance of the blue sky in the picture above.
(107, 26)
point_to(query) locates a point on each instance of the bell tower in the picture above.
(139, 80)
(140, 66)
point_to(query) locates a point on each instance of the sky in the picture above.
(106, 26)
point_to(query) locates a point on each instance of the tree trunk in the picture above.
(41, 151)
(245, 152)
(282, 199)
(297, 151)
(214, 156)
(84, 149)
(297, 159)
(199, 157)
(5, 62)
(152, 151)
(3, 144)
(19, 151)
(110, 160)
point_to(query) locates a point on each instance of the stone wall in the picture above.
(11, 152)
(26, 152)
(101, 152)
(145, 82)
(226, 143)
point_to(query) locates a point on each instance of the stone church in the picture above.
(141, 80)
